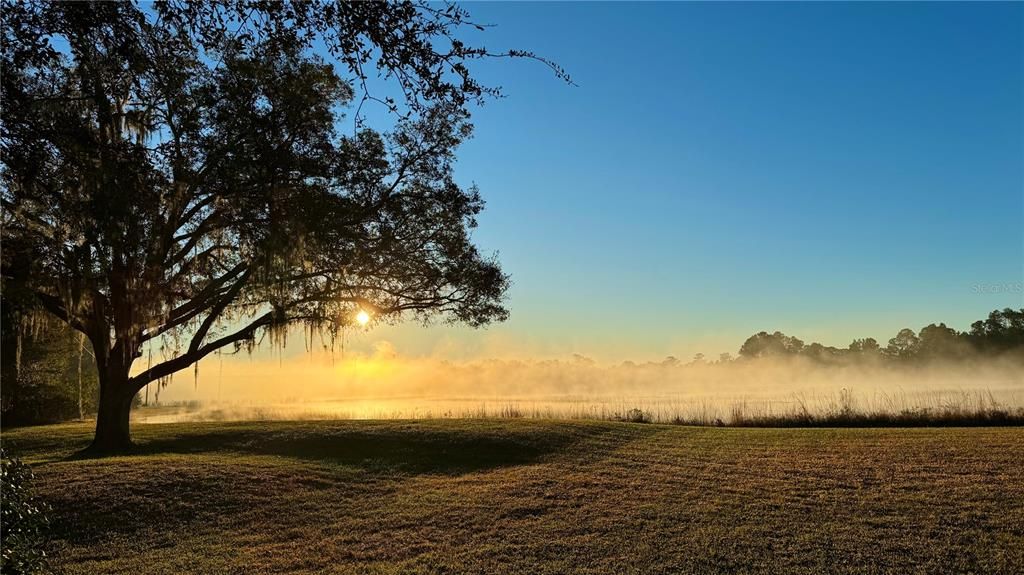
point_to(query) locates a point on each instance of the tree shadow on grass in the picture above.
(404, 450)
(123, 495)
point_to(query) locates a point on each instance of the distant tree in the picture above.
(864, 346)
(819, 352)
(763, 344)
(698, 359)
(904, 346)
(724, 357)
(175, 175)
(941, 342)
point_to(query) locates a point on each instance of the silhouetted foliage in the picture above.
(939, 341)
(1002, 331)
(764, 344)
(820, 352)
(904, 346)
(867, 345)
(175, 176)
(1002, 334)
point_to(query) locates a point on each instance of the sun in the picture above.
(362, 318)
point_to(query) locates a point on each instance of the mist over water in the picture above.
(386, 385)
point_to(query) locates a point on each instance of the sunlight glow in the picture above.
(362, 318)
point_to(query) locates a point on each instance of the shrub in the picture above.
(23, 522)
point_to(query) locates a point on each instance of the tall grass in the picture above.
(842, 408)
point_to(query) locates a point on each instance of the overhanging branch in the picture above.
(54, 305)
(182, 361)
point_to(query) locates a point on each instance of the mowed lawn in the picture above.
(527, 496)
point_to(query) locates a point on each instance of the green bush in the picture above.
(23, 522)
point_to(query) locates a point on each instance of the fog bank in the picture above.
(386, 384)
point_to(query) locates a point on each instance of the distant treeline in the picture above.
(1002, 333)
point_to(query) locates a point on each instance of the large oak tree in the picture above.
(185, 175)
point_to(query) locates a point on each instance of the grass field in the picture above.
(526, 496)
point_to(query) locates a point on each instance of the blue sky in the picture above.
(829, 170)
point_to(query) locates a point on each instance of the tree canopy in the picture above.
(178, 175)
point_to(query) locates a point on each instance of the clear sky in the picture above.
(829, 170)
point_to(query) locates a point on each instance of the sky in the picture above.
(829, 170)
(833, 171)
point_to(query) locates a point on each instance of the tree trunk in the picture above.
(112, 432)
(81, 348)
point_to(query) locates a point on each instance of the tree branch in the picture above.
(211, 318)
(54, 305)
(196, 304)
(182, 361)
